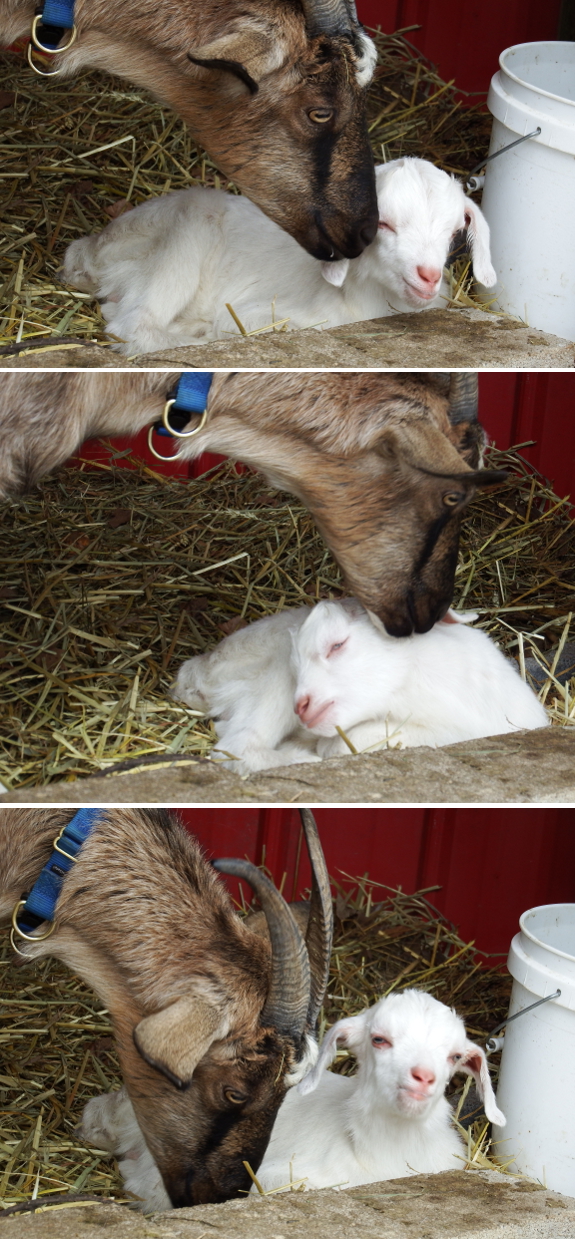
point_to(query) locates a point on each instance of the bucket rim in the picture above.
(538, 90)
(539, 941)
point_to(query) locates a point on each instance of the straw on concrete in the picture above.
(112, 577)
(77, 150)
(57, 1049)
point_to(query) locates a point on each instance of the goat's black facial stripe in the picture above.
(221, 1127)
(432, 535)
(322, 157)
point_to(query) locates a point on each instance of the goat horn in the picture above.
(326, 17)
(288, 999)
(463, 397)
(319, 935)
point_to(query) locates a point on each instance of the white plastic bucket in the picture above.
(537, 1081)
(530, 191)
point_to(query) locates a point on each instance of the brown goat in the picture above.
(212, 1022)
(273, 89)
(385, 462)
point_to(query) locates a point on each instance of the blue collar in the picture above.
(40, 904)
(57, 17)
(190, 395)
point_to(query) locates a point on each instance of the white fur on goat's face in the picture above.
(408, 1046)
(337, 661)
(421, 209)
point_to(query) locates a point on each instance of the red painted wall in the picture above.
(465, 40)
(513, 407)
(492, 864)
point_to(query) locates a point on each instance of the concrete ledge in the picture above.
(452, 1205)
(529, 767)
(447, 339)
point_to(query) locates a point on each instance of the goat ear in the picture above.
(248, 55)
(175, 1039)
(342, 1033)
(474, 1063)
(459, 617)
(389, 445)
(335, 272)
(478, 238)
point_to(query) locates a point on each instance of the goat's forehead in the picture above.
(325, 624)
(417, 1017)
(407, 190)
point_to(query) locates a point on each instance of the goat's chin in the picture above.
(321, 722)
(410, 1105)
(418, 299)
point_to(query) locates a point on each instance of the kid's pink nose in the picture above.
(429, 275)
(302, 706)
(423, 1075)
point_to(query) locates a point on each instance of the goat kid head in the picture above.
(421, 209)
(408, 1047)
(207, 1071)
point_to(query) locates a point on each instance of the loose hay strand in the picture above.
(76, 149)
(111, 578)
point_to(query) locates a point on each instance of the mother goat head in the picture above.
(273, 89)
(386, 463)
(212, 1022)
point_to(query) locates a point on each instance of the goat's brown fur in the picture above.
(314, 180)
(143, 919)
(371, 455)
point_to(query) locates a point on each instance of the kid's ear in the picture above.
(335, 272)
(474, 1063)
(345, 1032)
(478, 238)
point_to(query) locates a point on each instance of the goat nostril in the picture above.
(429, 275)
(302, 706)
(423, 1075)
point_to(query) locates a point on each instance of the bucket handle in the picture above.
(476, 182)
(494, 1042)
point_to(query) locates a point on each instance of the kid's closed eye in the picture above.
(338, 645)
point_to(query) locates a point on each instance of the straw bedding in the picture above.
(73, 149)
(57, 1048)
(112, 577)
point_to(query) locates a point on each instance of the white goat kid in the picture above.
(335, 668)
(166, 270)
(391, 1118)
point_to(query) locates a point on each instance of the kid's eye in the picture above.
(384, 224)
(380, 1042)
(338, 645)
(455, 1058)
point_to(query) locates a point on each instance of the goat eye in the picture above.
(320, 116)
(380, 1042)
(455, 1058)
(452, 499)
(384, 224)
(338, 645)
(237, 1099)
